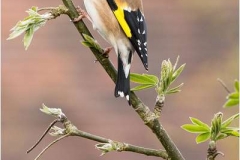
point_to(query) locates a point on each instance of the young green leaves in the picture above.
(169, 73)
(91, 43)
(233, 98)
(56, 112)
(145, 81)
(198, 127)
(29, 25)
(219, 129)
(33, 22)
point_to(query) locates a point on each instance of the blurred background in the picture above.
(60, 72)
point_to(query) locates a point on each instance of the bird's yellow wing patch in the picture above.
(119, 14)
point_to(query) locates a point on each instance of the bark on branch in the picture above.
(106, 145)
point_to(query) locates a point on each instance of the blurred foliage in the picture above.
(233, 98)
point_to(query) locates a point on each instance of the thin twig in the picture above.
(44, 134)
(224, 85)
(53, 142)
(45, 9)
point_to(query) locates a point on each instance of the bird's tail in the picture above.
(122, 88)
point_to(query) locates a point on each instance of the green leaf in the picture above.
(233, 98)
(194, 128)
(217, 122)
(227, 122)
(175, 89)
(51, 111)
(29, 25)
(236, 84)
(28, 37)
(231, 131)
(86, 44)
(166, 84)
(231, 103)
(176, 63)
(16, 33)
(143, 79)
(164, 67)
(170, 66)
(234, 95)
(152, 77)
(177, 72)
(141, 87)
(199, 123)
(216, 125)
(203, 137)
(168, 75)
(34, 8)
(221, 136)
(92, 42)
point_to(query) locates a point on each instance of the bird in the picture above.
(122, 24)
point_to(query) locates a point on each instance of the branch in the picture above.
(106, 145)
(48, 146)
(212, 151)
(149, 118)
(224, 85)
(159, 105)
(44, 134)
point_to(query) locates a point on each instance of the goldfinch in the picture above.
(122, 24)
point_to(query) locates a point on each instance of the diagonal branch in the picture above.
(107, 145)
(143, 111)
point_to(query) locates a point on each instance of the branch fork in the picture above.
(212, 151)
(105, 145)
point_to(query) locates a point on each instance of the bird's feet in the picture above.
(106, 51)
(82, 13)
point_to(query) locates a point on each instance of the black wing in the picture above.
(137, 24)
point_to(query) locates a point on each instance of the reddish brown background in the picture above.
(58, 71)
